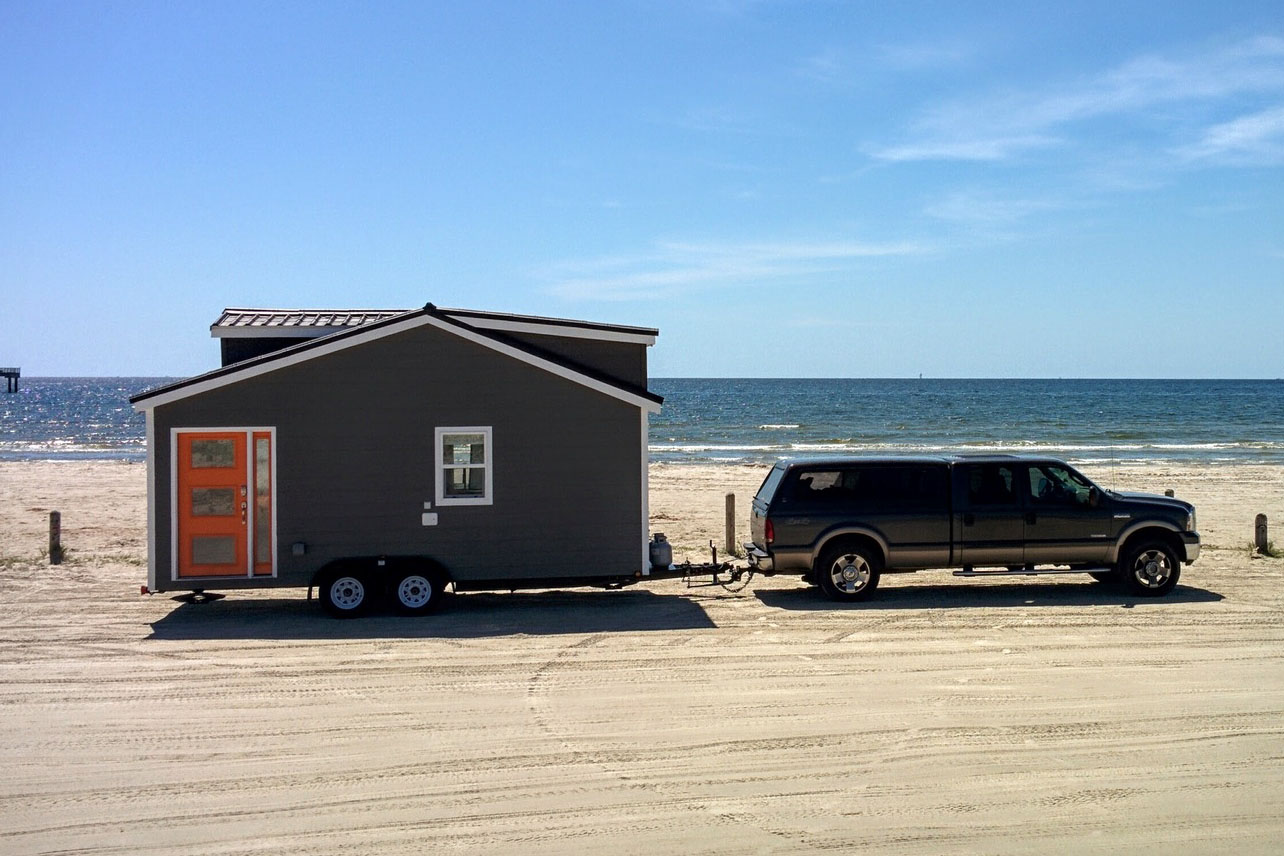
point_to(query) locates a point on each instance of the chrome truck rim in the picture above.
(850, 573)
(1152, 569)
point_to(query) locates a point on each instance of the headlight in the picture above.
(1190, 522)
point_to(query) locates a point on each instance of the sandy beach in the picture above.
(1047, 715)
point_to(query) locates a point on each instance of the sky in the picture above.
(784, 189)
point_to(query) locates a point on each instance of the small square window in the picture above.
(463, 462)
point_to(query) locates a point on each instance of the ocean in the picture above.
(754, 420)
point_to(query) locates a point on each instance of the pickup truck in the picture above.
(843, 522)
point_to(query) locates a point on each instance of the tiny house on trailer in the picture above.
(396, 452)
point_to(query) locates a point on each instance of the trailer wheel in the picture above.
(416, 592)
(848, 572)
(345, 595)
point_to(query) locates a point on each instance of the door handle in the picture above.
(1030, 518)
(969, 519)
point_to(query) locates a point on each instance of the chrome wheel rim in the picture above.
(414, 591)
(347, 592)
(850, 573)
(1152, 568)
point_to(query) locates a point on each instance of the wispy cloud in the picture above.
(676, 267)
(984, 209)
(1002, 125)
(920, 56)
(1255, 139)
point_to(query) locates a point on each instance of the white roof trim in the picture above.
(368, 335)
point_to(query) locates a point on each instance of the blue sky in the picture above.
(784, 189)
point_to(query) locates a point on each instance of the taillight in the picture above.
(769, 531)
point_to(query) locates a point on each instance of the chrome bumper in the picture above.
(759, 559)
(1191, 540)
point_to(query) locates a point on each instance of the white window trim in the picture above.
(489, 465)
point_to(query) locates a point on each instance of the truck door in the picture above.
(1066, 520)
(988, 514)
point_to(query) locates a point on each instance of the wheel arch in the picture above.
(1149, 531)
(854, 537)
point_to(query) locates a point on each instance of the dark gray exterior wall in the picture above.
(234, 349)
(355, 462)
(622, 360)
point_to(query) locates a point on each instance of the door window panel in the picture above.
(214, 550)
(213, 501)
(213, 453)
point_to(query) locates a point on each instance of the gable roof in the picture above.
(311, 348)
(237, 323)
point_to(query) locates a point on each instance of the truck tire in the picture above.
(345, 594)
(848, 572)
(1150, 568)
(417, 591)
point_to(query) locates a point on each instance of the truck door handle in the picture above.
(969, 519)
(1030, 518)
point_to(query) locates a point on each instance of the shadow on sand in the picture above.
(972, 596)
(462, 616)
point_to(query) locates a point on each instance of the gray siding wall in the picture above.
(617, 359)
(234, 350)
(355, 461)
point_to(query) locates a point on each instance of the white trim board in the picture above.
(362, 336)
(488, 445)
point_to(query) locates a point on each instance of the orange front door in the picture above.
(213, 504)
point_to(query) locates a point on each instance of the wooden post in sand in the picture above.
(1259, 534)
(55, 537)
(731, 524)
(1169, 492)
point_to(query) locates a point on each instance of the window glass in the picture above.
(214, 550)
(213, 501)
(817, 486)
(1053, 485)
(262, 500)
(464, 466)
(990, 484)
(213, 453)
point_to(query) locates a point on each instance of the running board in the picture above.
(1030, 572)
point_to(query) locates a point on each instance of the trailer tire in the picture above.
(417, 591)
(848, 572)
(345, 594)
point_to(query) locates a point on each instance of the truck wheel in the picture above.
(344, 595)
(416, 593)
(1151, 569)
(847, 573)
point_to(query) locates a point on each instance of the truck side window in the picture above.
(1050, 485)
(990, 484)
(818, 486)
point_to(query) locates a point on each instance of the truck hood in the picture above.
(1154, 499)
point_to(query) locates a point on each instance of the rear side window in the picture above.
(768, 488)
(873, 489)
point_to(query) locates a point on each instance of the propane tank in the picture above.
(661, 552)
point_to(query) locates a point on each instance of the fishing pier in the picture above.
(10, 375)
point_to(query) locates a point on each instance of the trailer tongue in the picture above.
(736, 578)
